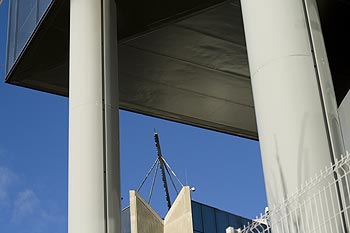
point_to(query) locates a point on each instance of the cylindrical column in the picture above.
(94, 179)
(294, 134)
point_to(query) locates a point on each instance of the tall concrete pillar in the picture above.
(344, 115)
(293, 94)
(94, 174)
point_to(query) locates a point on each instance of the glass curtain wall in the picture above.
(207, 219)
(24, 16)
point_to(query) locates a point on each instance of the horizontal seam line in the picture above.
(275, 60)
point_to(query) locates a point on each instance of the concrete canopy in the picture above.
(180, 60)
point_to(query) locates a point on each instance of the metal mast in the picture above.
(162, 168)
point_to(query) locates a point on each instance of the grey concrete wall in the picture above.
(179, 217)
(143, 219)
(344, 115)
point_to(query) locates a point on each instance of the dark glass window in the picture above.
(43, 4)
(24, 16)
(197, 217)
(221, 221)
(207, 219)
(209, 223)
(244, 221)
(26, 22)
(234, 221)
(11, 48)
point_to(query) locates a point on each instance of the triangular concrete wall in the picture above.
(179, 217)
(143, 219)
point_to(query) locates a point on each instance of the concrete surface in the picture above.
(143, 219)
(179, 217)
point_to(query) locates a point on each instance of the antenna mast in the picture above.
(162, 168)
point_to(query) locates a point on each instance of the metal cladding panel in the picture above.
(185, 92)
(182, 75)
(207, 23)
(179, 60)
(192, 46)
(191, 71)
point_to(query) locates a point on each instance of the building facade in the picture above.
(275, 71)
(185, 216)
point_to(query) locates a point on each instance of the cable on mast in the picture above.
(171, 179)
(173, 172)
(148, 173)
(153, 182)
(162, 164)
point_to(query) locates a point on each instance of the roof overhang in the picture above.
(180, 60)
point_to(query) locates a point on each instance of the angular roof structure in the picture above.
(180, 60)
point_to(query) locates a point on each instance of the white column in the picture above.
(94, 179)
(291, 108)
(344, 115)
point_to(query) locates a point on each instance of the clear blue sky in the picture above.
(225, 170)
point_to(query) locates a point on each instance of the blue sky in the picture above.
(225, 170)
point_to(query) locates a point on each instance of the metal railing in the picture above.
(322, 205)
